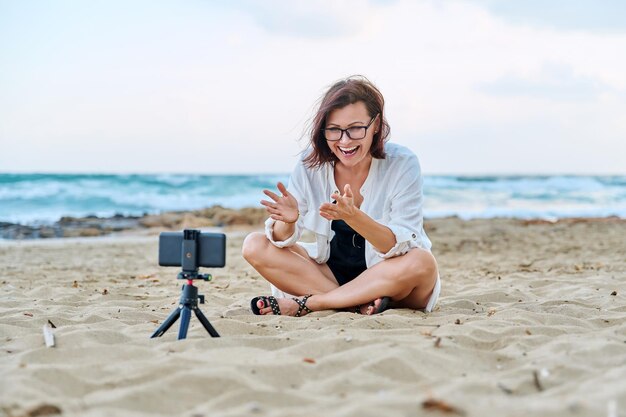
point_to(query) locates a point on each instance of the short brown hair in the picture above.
(342, 93)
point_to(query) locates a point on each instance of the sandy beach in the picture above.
(531, 321)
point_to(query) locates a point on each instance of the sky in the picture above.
(148, 86)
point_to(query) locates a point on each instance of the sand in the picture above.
(531, 321)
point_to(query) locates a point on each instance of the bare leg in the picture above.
(289, 269)
(409, 279)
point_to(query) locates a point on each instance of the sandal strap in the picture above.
(274, 305)
(302, 304)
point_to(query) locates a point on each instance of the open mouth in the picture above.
(349, 151)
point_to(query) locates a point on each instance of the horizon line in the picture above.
(443, 174)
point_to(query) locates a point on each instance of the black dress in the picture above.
(347, 253)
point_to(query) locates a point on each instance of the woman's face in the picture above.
(351, 152)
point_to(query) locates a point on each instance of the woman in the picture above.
(362, 199)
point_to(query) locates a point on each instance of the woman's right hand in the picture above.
(284, 207)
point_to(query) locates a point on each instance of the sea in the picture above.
(38, 199)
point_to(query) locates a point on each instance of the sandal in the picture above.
(266, 300)
(384, 305)
(302, 304)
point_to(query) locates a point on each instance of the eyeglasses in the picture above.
(333, 134)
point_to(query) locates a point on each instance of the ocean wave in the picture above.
(40, 198)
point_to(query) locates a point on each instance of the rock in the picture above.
(90, 232)
(47, 232)
(150, 221)
(191, 221)
(82, 232)
(92, 225)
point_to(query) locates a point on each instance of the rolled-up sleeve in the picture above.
(290, 241)
(297, 187)
(405, 217)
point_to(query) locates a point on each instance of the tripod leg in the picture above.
(171, 319)
(205, 322)
(184, 322)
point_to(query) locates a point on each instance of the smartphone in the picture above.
(210, 251)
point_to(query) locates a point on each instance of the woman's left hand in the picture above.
(344, 209)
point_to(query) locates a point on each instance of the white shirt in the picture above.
(392, 196)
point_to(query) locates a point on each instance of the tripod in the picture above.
(189, 297)
(188, 303)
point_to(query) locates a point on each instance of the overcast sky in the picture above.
(473, 87)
